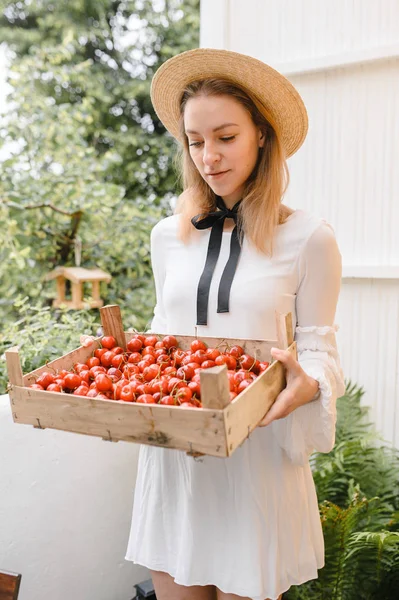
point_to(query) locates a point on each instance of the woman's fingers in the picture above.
(285, 357)
(279, 409)
(86, 340)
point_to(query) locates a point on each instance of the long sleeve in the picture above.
(312, 426)
(159, 322)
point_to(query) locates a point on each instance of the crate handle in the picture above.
(111, 322)
(215, 391)
(14, 368)
(285, 332)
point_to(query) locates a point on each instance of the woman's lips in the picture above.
(219, 175)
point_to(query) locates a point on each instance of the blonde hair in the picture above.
(261, 211)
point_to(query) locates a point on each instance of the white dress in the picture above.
(248, 524)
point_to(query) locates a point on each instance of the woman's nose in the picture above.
(210, 155)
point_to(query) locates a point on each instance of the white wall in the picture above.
(65, 509)
(343, 57)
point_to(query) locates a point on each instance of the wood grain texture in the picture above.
(212, 431)
(215, 387)
(9, 585)
(111, 321)
(285, 331)
(248, 408)
(189, 429)
(14, 368)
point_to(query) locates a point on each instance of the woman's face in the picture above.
(224, 143)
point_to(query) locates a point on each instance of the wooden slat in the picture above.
(79, 274)
(67, 361)
(111, 321)
(248, 409)
(14, 368)
(215, 387)
(189, 429)
(285, 332)
(77, 295)
(95, 294)
(9, 585)
(60, 289)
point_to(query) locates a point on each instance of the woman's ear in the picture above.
(261, 139)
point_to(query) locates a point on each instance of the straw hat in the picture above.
(278, 99)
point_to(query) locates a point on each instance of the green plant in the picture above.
(358, 489)
(43, 335)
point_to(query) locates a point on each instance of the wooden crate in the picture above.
(217, 429)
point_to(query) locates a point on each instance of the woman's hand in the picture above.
(301, 388)
(86, 340)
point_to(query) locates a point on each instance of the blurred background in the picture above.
(87, 170)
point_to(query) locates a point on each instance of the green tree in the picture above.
(89, 158)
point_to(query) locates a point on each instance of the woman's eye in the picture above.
(195, 144)
(227, 139)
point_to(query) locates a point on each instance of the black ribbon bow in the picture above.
(216, 221)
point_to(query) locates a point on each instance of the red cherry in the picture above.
(117, 350)
(92, 393)
(99, 352)
(236, 351)
(82, 390)
(195, 388)
(199, 356)
(72, 381)
(231, 362)
(150, 340)
(114, 374)
(146, 399)
(197, 345)
(54, 387)
(108, 342)
(134, 345)
(134, 358)
(185, 372)
(117, 361)
(167, 400)
(212, 353)
(170, 341)
(208, 364)
(45, 379)
(104, 383)
(174, 384)
(106, 359)
(184, 394)
(127, 394)
(79, 367)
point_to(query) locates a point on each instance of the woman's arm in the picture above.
(303, 416)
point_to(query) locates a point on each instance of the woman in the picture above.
(247, 526)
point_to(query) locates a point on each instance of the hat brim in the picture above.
(279, 98)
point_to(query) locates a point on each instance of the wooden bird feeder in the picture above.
(78, 276)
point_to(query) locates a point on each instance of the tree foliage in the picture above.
(87, 157)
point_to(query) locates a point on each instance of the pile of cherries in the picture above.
(152, 371)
